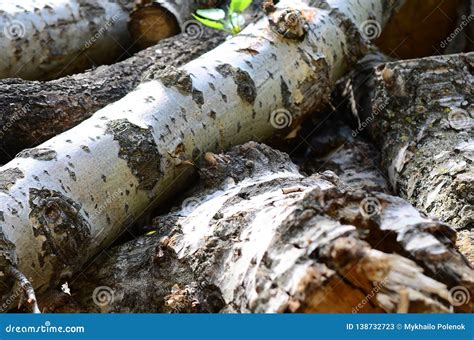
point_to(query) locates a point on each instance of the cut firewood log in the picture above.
(422, 28)
(257, 236)
(422, 117)
(31, 112)
(69, 198)
(48, 39)
(156, 20)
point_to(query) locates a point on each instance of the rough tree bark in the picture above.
(58, 211)
(45, 39)
(421, 116)
(257, 236)
(31, 112)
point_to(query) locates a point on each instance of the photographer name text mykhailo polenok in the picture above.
(434, 327)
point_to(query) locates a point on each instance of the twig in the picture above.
(27, 288)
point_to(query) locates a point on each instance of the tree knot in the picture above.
(289, 23)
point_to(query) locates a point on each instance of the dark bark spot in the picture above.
(139, 150)
(198, 97)
(286, 95)
(65, 233)
(245, 85)
(171, 76)
(248, 50)
(72, 174)
(42, 154)
(85, 148)
(224, 97)
(9, 177)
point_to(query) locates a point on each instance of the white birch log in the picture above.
(67, 199)
(257, 236)
(46, 39)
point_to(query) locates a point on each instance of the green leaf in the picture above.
(237, 19)
(215, 14)
(239, 5)
(209, 23)
(234, 23)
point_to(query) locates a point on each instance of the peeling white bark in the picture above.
(257, 236)
(67, 199)
(46, 38)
